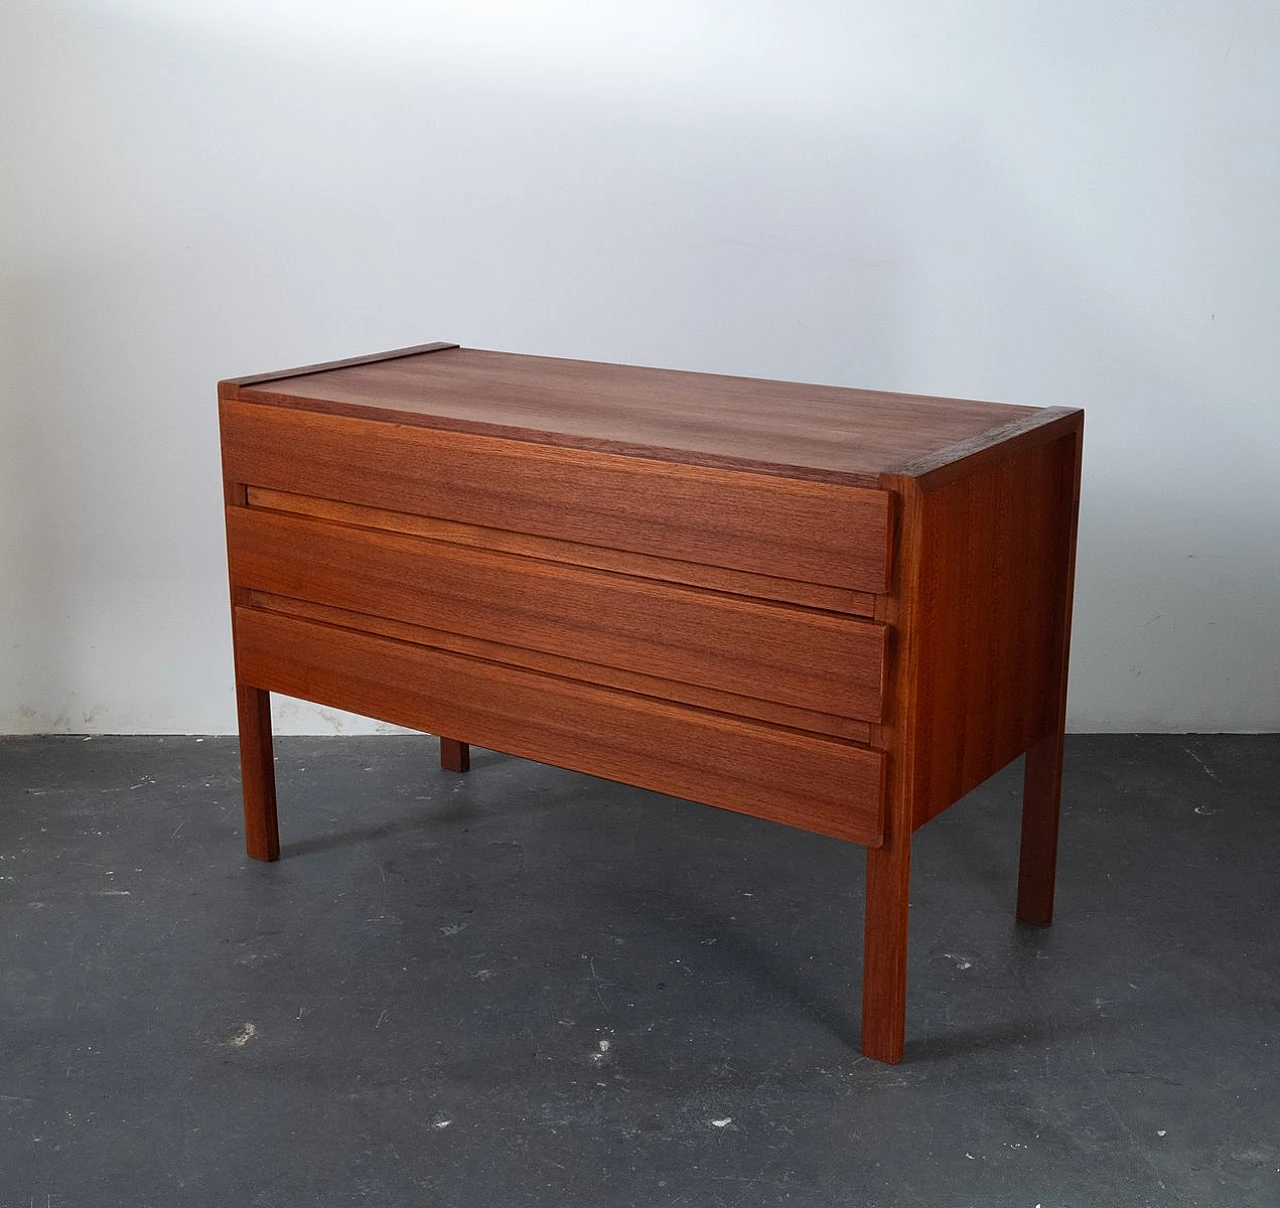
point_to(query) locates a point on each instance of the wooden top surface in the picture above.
(825, 433)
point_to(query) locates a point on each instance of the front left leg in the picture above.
(884, 964)
(257, 773)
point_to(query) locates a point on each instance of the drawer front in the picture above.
(728, 703)
(825, 785)
(811, 532)
(823, 662)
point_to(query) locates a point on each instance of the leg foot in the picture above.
(1037, 865)
(884, 965)
(455, 756)
(257, 774)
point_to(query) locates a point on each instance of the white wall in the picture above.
(1047, 204)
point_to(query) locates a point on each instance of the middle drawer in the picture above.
(825, 662)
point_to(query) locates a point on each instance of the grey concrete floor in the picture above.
(527, 987)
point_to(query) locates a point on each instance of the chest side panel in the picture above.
(994, 583)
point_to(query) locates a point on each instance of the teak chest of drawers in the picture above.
(837, 609)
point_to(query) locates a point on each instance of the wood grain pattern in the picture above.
(884, 949)
(727, 762)
(969, 456)
(642, 566)
(980, 608)
(1042, 775)
(840, 610)
(570, 668)
(888, 878)
(803, 431)
(253, 719)
(800, 657)
(279, 375)
(991, 617)
(810, 531)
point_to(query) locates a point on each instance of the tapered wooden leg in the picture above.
(455, 756)
(884, 965)
(1041, 798)
(257, 774)
(1042, 777)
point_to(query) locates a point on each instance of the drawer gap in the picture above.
(729, 762)
(712, 700)
(572, 553)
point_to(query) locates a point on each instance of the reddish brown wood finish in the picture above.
(991, 614)
(643, 566)
(888, 882)
(813, 532)
(799, 657)
(1042, 778)
(824, 433)
(730, 762)
(571, 669)
(455, 756)
(280, 375)
(981, 612)
(257, 773)
(253, 718)
(1038, 856)
(837, 609)
(884, 947)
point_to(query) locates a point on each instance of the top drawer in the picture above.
(812, 532)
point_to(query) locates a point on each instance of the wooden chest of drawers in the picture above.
(837, 609)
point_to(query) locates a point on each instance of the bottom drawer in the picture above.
(823, 785)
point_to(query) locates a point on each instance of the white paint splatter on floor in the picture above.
(242, 1037)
